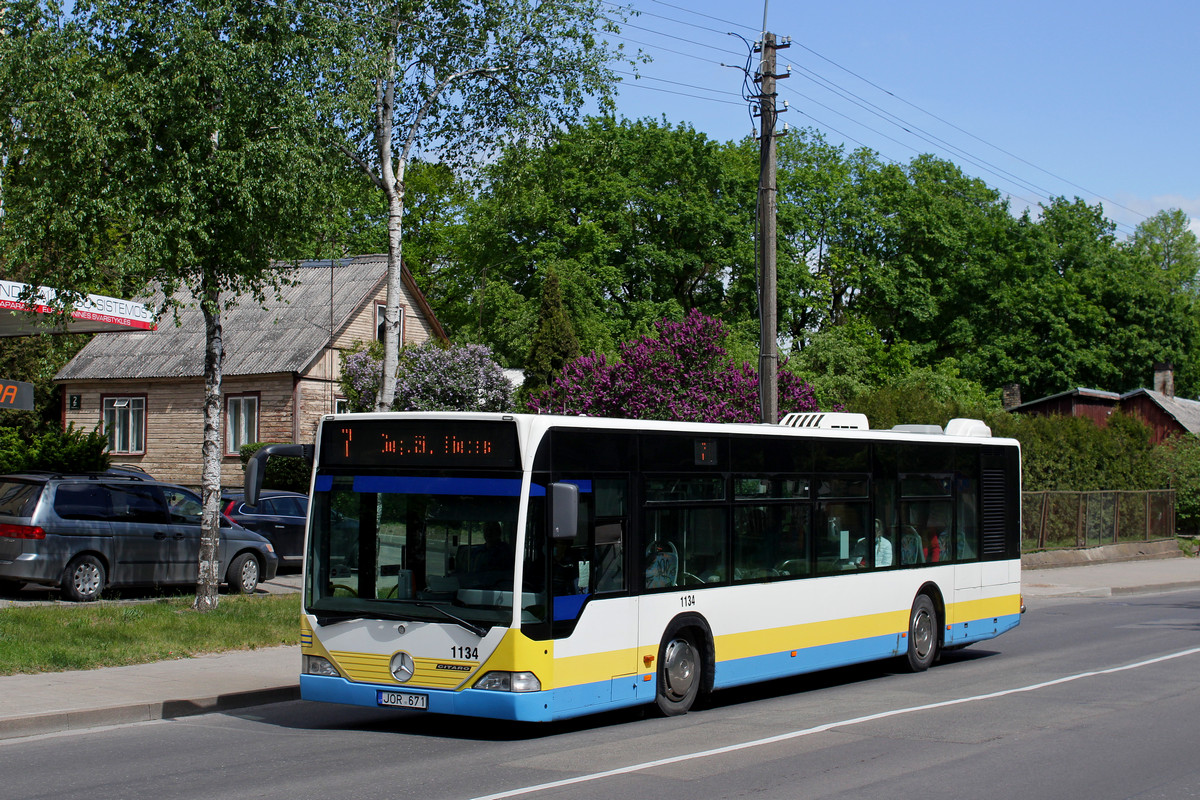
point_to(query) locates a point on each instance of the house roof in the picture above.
(282, 334)
(1185, 412)
(1092, 394)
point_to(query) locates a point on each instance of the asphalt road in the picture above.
(1088, 698)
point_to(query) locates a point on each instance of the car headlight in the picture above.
(315, 665)
(509, 682)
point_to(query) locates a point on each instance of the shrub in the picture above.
(681, 373)
(54, 449)
(429, 377)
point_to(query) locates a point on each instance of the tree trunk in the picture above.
(391, 313)
(393, 189)
(209, 578)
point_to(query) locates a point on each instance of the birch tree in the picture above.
(165, 145)
(453, 78)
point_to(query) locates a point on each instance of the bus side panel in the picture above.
(772, 630)
(597, 665)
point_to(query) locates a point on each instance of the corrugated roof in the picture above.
(1186, 412)
(1095, 394)
(283, 334)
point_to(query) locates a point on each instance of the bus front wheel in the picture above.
(922, 634)
(679, 673)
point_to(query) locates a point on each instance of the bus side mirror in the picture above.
(564, 510)
(256, 467)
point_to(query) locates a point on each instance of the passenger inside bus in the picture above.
(496, 555)
(883, 549)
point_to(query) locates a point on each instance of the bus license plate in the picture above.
(402, 699)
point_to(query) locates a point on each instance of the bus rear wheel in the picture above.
(679, 674)
(922, 634)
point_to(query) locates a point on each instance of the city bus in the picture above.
(537, 568)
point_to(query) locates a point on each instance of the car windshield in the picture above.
(436, 548)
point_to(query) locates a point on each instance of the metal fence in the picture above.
(1057, 520)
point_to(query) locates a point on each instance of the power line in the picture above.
(905, 125)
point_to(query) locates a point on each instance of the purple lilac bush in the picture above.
(684, 373)
(430, 377)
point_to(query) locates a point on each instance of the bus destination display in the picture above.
(417, 443)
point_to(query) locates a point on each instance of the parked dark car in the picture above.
(279, 516)
(85, 533)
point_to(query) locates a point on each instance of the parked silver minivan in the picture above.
(85, 533)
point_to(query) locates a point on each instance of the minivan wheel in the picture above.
(243, 574)
(83, 580)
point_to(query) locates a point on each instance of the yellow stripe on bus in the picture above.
(518, 653)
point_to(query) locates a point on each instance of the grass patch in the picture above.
(58, 637)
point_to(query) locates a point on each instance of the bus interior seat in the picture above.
(662, 564)
(912, 550)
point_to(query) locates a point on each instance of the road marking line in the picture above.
(782, 737)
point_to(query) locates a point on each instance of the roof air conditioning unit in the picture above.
(968, 427)
(826, 421)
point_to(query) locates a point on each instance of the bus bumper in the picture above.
(515, 706)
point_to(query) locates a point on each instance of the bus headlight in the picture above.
(315, 665)
(509, 682)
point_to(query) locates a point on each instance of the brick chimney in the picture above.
(1164, 378)
(1010, 396)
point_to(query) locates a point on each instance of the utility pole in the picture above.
(768, 360)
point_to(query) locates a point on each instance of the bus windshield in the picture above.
(436, 547)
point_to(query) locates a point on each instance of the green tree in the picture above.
(554, 342)
(451, 76)
(639, 220)
(180, 156)
(1074, 307)
(1167, 240)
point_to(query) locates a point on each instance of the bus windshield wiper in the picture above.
(472, 627)
(325, 618)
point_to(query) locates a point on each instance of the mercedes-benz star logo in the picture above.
(402, 667)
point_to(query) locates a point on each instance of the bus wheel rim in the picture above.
(679, 669)
(922, 633)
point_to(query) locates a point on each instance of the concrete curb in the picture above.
(85, 718)
(1104, 554)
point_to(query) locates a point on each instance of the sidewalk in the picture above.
(67, 701)
(1112, 579)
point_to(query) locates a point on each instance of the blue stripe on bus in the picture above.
(566, 606)
(390, 484)
(516, 706)
(980, 629)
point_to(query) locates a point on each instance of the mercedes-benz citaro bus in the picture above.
(536, 568)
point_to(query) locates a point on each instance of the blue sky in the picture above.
(1093, 99)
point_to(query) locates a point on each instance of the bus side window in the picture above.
(769, 542)
(966, 536)
(609, 561)
(841, 537)
(703, 555)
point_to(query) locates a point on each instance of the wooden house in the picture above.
(282, 364)
(1159, 408)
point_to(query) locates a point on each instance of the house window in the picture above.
(380, 308)
(341, 406)
(125, 424)
(241, 421)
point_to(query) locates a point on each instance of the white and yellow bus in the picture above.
(538, 568)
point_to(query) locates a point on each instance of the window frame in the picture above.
(241, 397)
(380, 311)
(130, 397)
